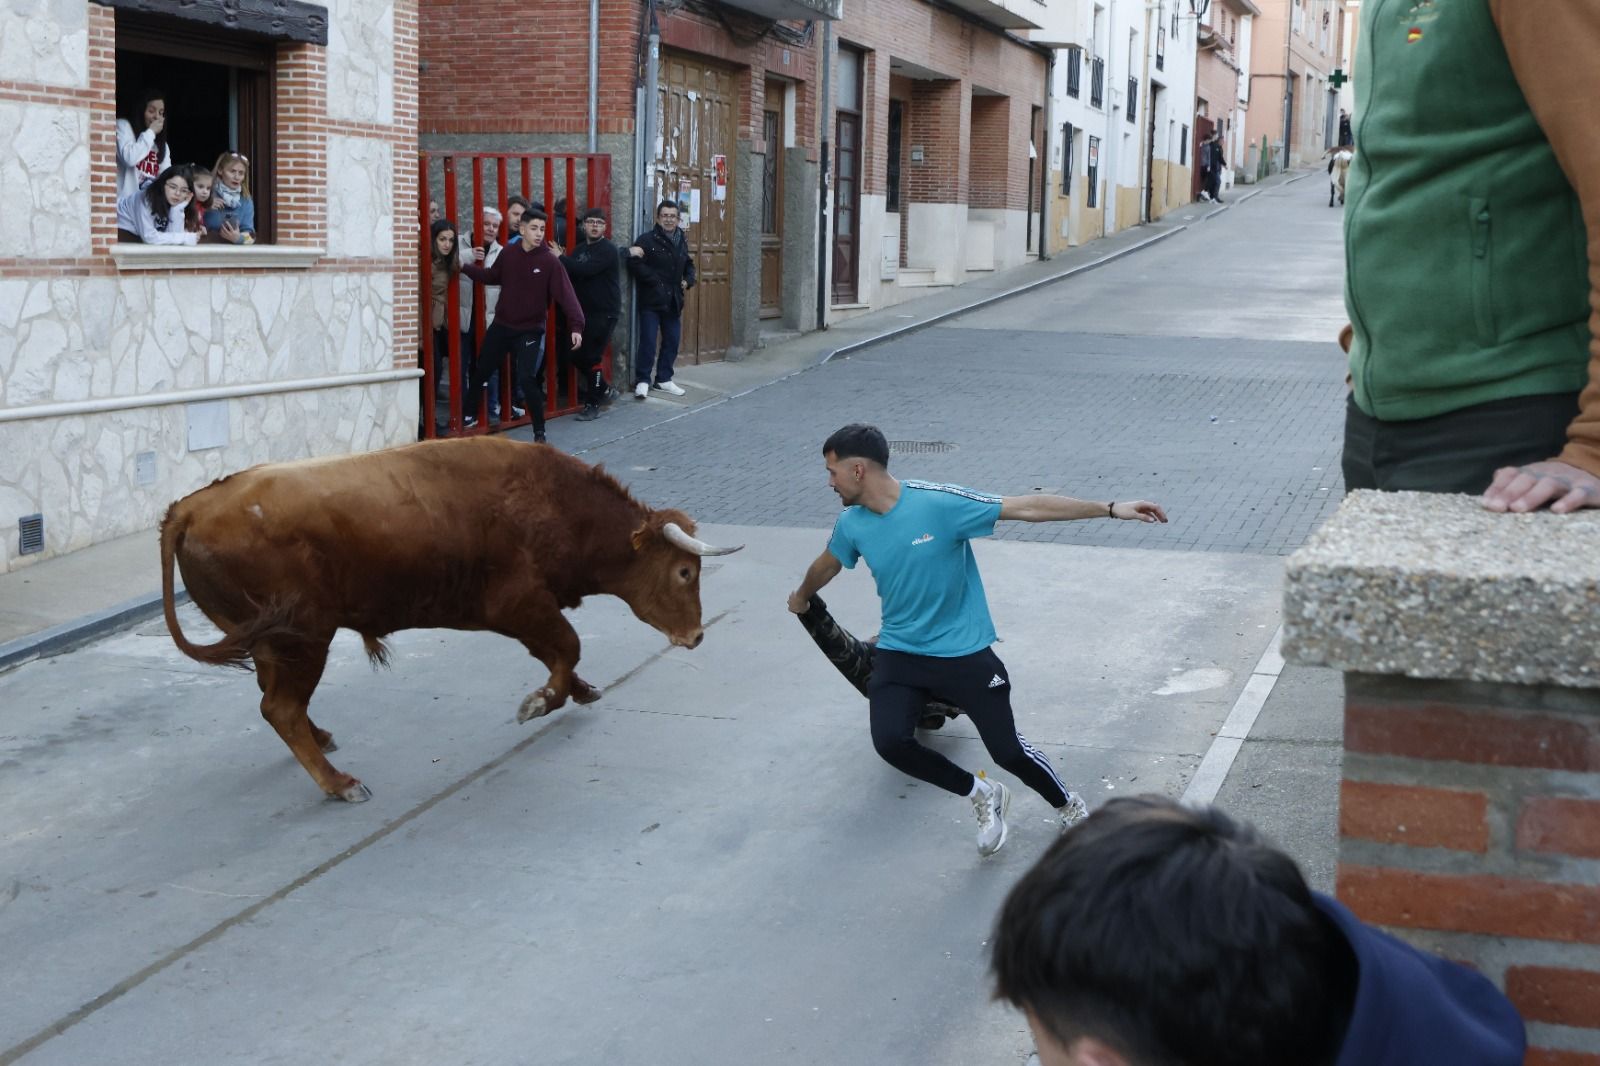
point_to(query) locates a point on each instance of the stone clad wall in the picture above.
(1469, 814)
(81, 324)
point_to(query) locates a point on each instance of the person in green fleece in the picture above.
(1472, 251)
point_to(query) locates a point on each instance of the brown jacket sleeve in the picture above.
(1554, 46)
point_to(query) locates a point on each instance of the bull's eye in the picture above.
(684, 574)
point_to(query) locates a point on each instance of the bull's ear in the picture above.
(641, 536)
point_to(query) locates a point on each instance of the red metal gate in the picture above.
(459, 183)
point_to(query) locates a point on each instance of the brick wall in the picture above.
(102, 128)
(969, 54)
(991, 135)
(483, 73)
(1470, 822)
(940, 127)
(407, 288)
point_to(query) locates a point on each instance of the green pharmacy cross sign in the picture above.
(1338, 78)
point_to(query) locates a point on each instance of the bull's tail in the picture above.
(234, 648)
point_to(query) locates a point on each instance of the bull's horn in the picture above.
(678, 538)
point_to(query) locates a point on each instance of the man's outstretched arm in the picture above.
(1066, 509)
(821, 571)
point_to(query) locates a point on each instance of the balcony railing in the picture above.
(1074, 72)
(1097, 83)
(1133, 98)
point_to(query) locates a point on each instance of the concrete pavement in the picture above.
(711, 864)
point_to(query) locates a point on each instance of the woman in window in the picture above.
(231, 215)
(142, 150)
(155, 216)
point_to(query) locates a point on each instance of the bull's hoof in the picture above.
(585, 693)
(355, 792)
(537, 705)
(328, 746)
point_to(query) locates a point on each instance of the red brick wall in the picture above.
(467, 43)
(939, 126)
(991, 138)
(1470, 817)
(969, 53)
(407, 285)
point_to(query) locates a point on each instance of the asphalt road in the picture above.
(710, 865)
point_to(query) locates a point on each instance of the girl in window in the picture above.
(194, 219)
(156, 216)
(232, 213)
(142, 150)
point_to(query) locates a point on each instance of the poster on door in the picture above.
(688, 203)
(719, 177)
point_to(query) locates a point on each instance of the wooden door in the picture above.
(772, 204)
(847, 208)
(698, 110)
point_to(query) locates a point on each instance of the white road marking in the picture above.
(1235, 730)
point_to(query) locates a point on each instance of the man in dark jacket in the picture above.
(530, 276)
(663, 271)
(1153, 932)
(592, 266)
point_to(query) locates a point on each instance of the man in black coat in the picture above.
(592, 266)
(663, 271)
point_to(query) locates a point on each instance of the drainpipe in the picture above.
(644, 151)
(594, 78)
(822, 178)
(1113, 136)
(1288, 75)
(647, 146)
(1044, 155)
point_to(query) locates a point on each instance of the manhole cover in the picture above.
(919, 447)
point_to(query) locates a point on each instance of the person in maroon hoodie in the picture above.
(529, 274)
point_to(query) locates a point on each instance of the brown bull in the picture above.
(482, 533)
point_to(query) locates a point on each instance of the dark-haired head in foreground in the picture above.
(1155, 934)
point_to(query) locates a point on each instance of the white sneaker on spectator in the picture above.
(671, 388)
(1072, 812)
(990, 803)
(641, 390)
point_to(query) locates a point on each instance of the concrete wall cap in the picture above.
(1429, 585)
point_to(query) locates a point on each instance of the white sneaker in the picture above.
(641, 390)
(671, 388)
(1072, 812)
(991, 806)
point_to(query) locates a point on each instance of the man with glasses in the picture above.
(663, 273)
(592, 266)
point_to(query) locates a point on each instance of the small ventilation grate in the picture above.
(919, 447)
(30, 534)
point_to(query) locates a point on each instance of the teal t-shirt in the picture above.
(933, 601)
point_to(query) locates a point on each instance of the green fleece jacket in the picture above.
(1470, 270)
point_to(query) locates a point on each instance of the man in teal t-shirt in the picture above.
(936, 635)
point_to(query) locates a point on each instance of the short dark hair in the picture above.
(858, 441)
(1175, 935)
(532, 214)
(523, 200)
(664, 204)
(594, 212)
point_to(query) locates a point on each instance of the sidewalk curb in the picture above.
(902, 331)
(1259, 188)
(69, 635)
